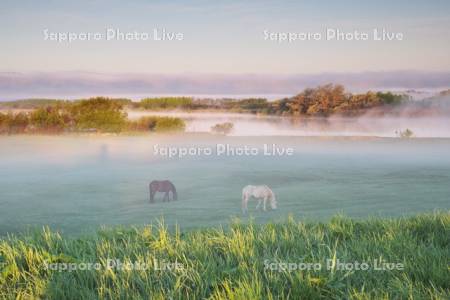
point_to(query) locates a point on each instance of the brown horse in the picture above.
(164, 186)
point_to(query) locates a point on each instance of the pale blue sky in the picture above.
(224, 37)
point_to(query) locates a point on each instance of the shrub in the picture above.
(14, 123)
(157, 124)
(328, 99)
(95, 114)
(253, 103)
(390, 98)
(223, 128)
(48, 119)
(100, 114)
(169, 124)
(405, 134)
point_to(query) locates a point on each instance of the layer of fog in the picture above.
(367, 125)
(76, 151)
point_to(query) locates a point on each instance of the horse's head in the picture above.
(273, 201)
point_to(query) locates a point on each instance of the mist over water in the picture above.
(367, 125)
(76, 184)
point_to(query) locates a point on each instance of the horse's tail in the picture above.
(151, 192)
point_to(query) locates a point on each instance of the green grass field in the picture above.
(242, 261)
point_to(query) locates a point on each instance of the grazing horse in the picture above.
(164, 186)
(260, 192)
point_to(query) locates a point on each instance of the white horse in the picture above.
(260, 192)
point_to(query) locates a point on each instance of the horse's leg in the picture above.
(244, 203)
(152, 195)
(174, 193)
(174, 198)
(265, 200)
(259, 203)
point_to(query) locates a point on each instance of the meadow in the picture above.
(239, 261)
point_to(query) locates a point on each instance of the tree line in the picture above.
(109, 115)
(323, 100)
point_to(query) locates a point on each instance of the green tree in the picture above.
(100, 114)
(48, 119)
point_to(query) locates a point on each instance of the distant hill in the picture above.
(29, 103)
(15, 85)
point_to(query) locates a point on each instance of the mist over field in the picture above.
(76, 184)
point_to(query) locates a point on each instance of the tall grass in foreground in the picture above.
(230, 263)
